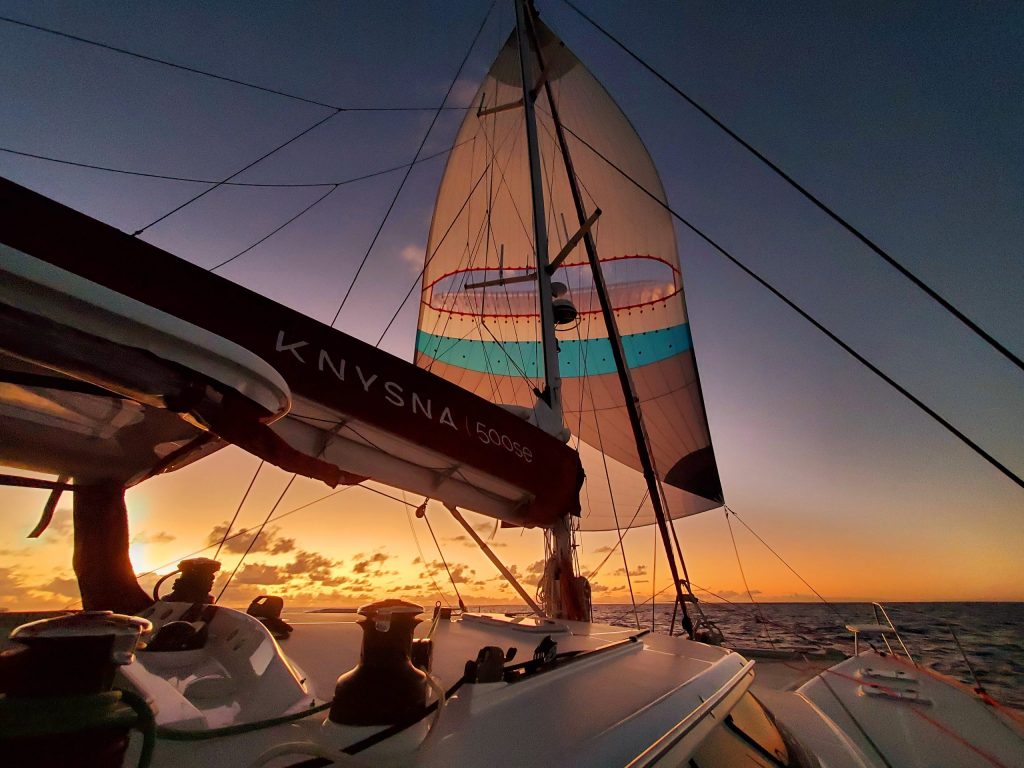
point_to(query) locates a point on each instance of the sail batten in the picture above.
(479, 310)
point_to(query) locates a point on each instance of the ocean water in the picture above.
(991, 634)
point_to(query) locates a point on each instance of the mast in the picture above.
(552, 381)
(628, 390)
(562, 605)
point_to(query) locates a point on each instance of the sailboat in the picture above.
(568, 318)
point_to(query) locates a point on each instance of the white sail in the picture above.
(483, 332)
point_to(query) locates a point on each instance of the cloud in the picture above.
(269, 541)
(11, 583)
(487, 529)
(640, 570)
(513, 569)
(17, 594)
(463, 90)
(461, 573)
(333, 581)
(604, 549)
(58, 529)
(160, 537)
(465, 541)
(305, 567)
(535, 569)
(63, 587)
(369, 563)
(414, 255)
(260, 573)
(313, 566)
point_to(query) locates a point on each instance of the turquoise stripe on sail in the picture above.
(586, 357)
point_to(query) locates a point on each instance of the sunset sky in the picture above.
(906, 118)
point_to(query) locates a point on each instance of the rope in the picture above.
(806, 316)
(259, 159)
(892, 692)
(618, 543)
(205, 73)
(853, 719)
(501, 346)
(746, 586)
(274, 231)
(615, 513)
(238, 509)
(931, 293)
(426, 261)
(257, 184)
(173, 734)
(654, 578)
(253, 542)
(401, 184)
(729, 510)
(430, 528)
(416, 539)
(242, 532)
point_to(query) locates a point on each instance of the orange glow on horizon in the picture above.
(352, 547)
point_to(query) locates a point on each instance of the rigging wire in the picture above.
(244, 531)
(238, 509)
(416, 539)
(423, 141)
(501, 346)
(806, 316)
(622, 616)
(236, 535)
(930, 292)
(730, 511)
(635, 415)
(607, 474)
(257, 184)
(746, 586)
(205, 73)
(274, 231)
(321, 200)
(253, 542)
(470, 255)
(618, 543)
(421, 511)
(654, 580)
(236, 173)
(493, 163)
(426, 261)
(615, 514)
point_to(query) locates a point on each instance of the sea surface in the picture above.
(991, 634)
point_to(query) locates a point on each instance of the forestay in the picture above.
(479, 316)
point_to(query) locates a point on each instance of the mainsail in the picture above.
(479, 315)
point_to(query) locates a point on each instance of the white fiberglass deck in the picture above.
(603, 709)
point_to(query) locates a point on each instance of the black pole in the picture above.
(629, 394)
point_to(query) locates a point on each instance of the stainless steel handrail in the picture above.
(876, 607)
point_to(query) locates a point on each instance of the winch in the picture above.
(195, 583)
(57, 707)
(385, 688)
